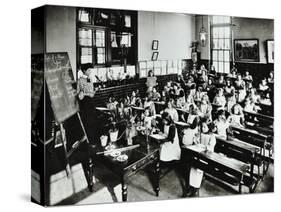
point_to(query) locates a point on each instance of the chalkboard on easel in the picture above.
(60, 84)
(37, 81)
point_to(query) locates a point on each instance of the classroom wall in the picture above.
(173, 31)
(262, 29)
(244, 28)
(204, 51)
(61, 32)
(37, 30)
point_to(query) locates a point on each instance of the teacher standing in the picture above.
(151, 81)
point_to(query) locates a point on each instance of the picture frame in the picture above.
(155, 44)
(246, 50)
(154, 56)
(270, 51)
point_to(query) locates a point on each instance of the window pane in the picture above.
(226, 67)
(85, 37)
(215, 44)
(113, 40)
(221, 66)
(220, 19)
(215, 55)
(100, 38)
(215, 64)
(215, 19)
(100, 58)
(221, 32)
(215, 32)
(100, 50)
(220, 56)
(84, 15)
(221, 41)
(226, 32)
(226, 19)
(86, 51)
(227, 44)
(226, 56)
(127, 21)
(86, 59)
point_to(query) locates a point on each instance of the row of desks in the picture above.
(245, 151)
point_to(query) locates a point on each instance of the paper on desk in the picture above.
(158, 136)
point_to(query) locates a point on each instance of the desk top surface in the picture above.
(219, 158)
(134, 155)
(238, 143)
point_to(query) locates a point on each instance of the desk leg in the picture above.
(88, 171)
(124, 190)
(157, 177)
(240, 185)
(252, 170)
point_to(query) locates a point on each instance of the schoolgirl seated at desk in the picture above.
(213, 71)
(171, 110)
(250, 105)
(237, 116)
(230, 102)
(219, 99)
(221, 124)
(229, 88)
(270, 78)
(247, 76)
(253, 94)
(135, 98)
(154, 94)
(221, 81)
(150, 104)
(263, 85)
(193, 114)
(148, 121)
(233, 72)
(205, 109)
(241, 88)
(112, 103)
(265, 99)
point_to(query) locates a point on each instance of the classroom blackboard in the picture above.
(60, 83)
(37, 81)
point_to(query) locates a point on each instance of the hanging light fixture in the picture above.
(203, 34)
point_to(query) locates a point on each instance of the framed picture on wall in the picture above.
(246, 50)
(270, 51)
(155, 44)
(154, 56)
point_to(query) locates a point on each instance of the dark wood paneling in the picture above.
(257, 70)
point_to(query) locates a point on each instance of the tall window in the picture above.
(221, 43)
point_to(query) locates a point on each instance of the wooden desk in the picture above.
(260, 121)
(252, 137)
(239, 150)
(138, 159)
(229, 170)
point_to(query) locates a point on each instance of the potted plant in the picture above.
(113, 130)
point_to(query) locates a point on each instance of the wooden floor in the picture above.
(108, 189)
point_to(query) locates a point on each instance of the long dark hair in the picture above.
(166, 116)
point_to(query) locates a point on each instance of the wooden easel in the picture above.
(74, 146)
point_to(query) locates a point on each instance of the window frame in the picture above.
(109, 62)
(212, 49)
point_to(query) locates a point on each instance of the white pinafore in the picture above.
(170, 151)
